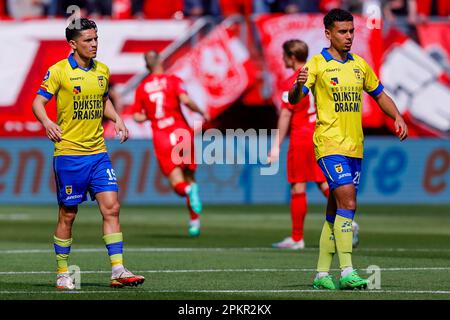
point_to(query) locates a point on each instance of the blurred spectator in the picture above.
(2, 9)
(156, 9)
(197, 8)
(232, 7)
(99, 7)
(25, 9)
(303, 6)
(354, 6)
(60, 7)
(327, 5)
(426, 8)
(401, 14)
(122, 9)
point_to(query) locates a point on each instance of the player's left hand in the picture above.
(121, 130)
(400, 128)
(274, 155)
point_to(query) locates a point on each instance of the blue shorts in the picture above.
(76, 175)
(340, 170)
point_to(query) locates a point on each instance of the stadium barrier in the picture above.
(415, 171)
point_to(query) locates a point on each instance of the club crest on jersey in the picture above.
(357, 73)
(101, 81)
(338, 168)
(334, 81)
(76, 89)
(69, 190)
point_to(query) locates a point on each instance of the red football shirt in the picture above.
(157, 96)
(303, 119)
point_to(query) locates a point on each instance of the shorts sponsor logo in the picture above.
(344, 175)
(69, 190)
(338, 168)
(75, 196)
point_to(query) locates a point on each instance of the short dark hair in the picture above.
(75, 27)
(296, 48)
(336, 15)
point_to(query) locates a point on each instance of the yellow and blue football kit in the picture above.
(338, 88)
(81, 163)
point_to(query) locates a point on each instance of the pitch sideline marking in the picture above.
(223, 270)
(256, 249)
(227, 291)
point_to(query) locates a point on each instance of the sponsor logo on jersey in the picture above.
(76, 89)
(101, 81)
(334, 81)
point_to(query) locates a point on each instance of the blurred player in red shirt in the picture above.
(301, 163)
(158, 99)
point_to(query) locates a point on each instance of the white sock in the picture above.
(346, 271)
(321, 275)
(117, 269)
(195, 223)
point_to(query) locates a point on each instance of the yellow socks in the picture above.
(327, 247)
(343, 236)
(62, 251)
(114, 245)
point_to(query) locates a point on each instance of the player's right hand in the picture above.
(302, 76)
(53, 131)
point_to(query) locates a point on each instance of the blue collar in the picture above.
(73, 63)
(327, 56)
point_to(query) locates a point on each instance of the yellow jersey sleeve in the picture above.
(108, 74)
(51, 83)
(372, 84)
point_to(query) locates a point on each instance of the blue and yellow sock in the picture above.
(62, 251)
(344, 236)
(114, 245)
(327, 246)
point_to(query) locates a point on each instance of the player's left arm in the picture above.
(186, 100)
(388, 106)
(111, 114)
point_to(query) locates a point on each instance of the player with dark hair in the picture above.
(81, 163)
(337, 79)
(301, 164)
(158, 99)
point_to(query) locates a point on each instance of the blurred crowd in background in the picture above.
(403, 14)
(415, 11)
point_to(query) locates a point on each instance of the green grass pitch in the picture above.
(232, 259)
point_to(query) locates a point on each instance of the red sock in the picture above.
(326, 192)
(180, 188)
(193, 215)
(298, 214)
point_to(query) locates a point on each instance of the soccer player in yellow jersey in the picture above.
(81, 163)
(337, 79)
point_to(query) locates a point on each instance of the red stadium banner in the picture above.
(274, 30)
(417, 80)
(34, 46)
(216, 72)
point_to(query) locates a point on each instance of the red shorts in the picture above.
(182, 156)
(301, 163)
